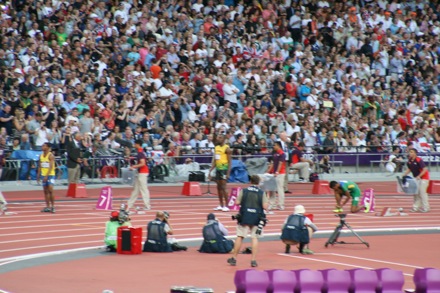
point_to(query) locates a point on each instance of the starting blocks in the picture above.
(390, 212)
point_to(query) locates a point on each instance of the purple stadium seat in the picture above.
(364, 281)
(310, 281)
(283, 281)
(325, 274)
(390, 281)
(433, 281)
(419, 279)
(239, 281)
(251, 281)
(337, 281)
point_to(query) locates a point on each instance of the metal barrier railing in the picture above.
(109, 167)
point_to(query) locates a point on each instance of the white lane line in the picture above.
(8, 260)
(51, 238)
(52, 245)
(377, 260)
(339, 263)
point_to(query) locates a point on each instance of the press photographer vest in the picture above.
(251, 208)
(156, 237)
(295, 230)
(213, 239)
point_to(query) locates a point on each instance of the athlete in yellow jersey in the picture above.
(222, 163)
(46, 169)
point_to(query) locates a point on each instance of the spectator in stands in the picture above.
(298, 230)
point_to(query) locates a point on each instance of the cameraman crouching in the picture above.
(214, 240)
(298, 229)
(251, 218)
(157, 232)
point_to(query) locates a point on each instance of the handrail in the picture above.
(356, 160)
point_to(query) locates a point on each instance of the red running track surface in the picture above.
(77, 225)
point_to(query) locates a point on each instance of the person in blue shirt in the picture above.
(134, 56)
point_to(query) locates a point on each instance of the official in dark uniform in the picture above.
(214, 240)
(74, 159)
(297, 230)
(253, 202)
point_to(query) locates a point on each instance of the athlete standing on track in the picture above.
(222, 163)
(46, 169)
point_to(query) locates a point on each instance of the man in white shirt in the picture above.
(230, 91)
(295, 26)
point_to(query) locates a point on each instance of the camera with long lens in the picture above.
(124, 216)
(261, 224)
(236, 217)
(166, 215)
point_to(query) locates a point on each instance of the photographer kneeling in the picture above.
(298, 229)
(117, 219)
(157, 232)
(251, 218)
(214, 240)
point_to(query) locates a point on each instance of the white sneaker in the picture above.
(219, 208)
(225, 209)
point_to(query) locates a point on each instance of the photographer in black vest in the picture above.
(214, 240)
(251, 218)
(157, 232)
(297, 230)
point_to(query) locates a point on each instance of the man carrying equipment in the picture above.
(348, 189)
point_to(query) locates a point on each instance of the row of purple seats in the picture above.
(383, 280)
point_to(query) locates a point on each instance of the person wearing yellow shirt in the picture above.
(222, 162)
(46, 170)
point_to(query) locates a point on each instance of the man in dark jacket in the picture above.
(74, 159)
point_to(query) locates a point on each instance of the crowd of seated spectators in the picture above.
(341, 76)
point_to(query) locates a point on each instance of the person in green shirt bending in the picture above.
(348, 189)
(117, 219)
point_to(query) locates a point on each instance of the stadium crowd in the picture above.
(343, 76)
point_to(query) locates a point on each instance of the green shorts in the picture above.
(220, 174)
(355, 197)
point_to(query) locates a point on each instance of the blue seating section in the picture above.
(384, 280)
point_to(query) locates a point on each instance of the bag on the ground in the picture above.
(313, 177)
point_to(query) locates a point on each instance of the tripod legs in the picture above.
(208, 192)
(335, 235)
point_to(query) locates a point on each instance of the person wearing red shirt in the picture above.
(141, 180)
(278, 170)
(300, 163)
(420, 172)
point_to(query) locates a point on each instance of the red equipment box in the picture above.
(129, 240)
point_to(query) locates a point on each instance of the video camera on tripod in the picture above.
(337, 232)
